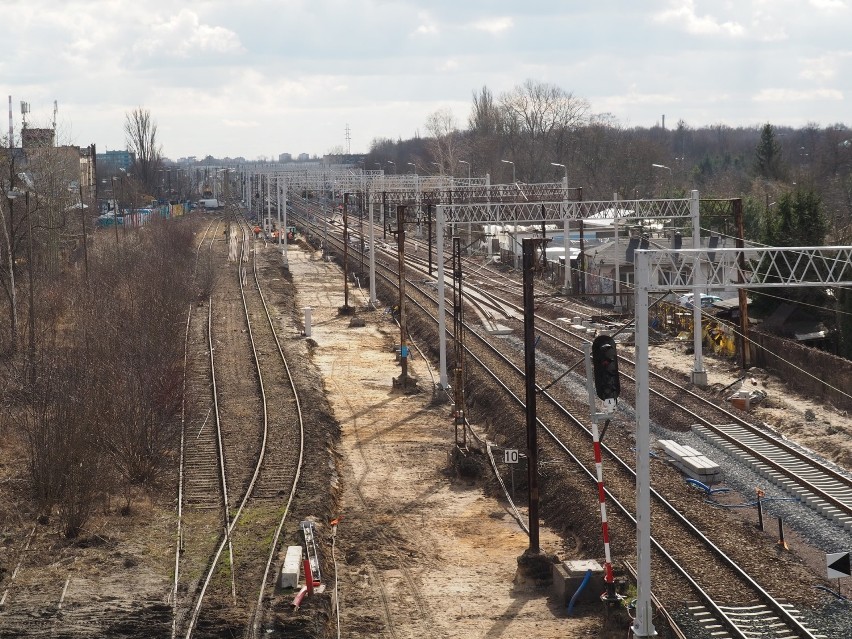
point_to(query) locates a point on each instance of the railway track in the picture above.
(227, 556)
(799, 473)
(621, 490)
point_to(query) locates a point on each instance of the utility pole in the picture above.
(403, 381)
(458, 341)
(384, 215)
(345, 253)
(85, 240)
(429, 234)
(30, 267)
(530, 247)
(742, 294)
(361, 231)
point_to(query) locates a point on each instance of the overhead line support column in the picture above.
(699, 375)
(442, 330)
(529, 248)
(643, 624)
(373, 301)
(742, 295)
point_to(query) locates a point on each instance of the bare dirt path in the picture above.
(420, 552)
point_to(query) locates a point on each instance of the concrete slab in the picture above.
(292, 566)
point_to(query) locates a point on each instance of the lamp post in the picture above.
(566, 171)
(440, 167)
(30, 268)
(663, 166)
(115, 211)
(566, 238)
(468, 169)
(12, 195)
(414, 165)
(393, 164)
(513, 168)
(124, 185)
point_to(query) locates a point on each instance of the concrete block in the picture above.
(291, 568)
(568, 575)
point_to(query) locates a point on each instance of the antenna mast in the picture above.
(348, 139)
(25, 108)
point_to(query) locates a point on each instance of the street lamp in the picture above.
(468, 168)
(394, 166)
(513, 168)
(440, 167)
(663, 166)
(11, 195)
(566, 171)
(414, 165)
(115, 210)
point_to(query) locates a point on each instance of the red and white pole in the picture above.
(608, 577)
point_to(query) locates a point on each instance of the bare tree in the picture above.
(141, 132)
(538, 119)
(445, 138)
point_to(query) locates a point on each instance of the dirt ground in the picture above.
(420, 552)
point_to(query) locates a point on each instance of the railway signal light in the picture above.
(605, 367)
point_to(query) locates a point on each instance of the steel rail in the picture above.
(778, 607)
(792, 474)
(255, 618)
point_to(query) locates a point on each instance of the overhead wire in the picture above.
(734, 328)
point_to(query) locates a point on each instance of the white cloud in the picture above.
(241, 124)
(683, 13)
(291, 78)
(494, 25)
(797, 95)
(427, 26)
(183, 35)
(821, 69)
(766, 26)
(829, 5)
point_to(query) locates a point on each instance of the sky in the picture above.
(256, 78)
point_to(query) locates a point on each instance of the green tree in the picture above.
(796, 220)
(844, 322)
(768, 162)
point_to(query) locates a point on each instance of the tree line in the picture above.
(536, 126)
(796, 183)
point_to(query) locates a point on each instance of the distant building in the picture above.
(345, 159)
(111, 162)
(285, 157)
(303, 157)
(37, 138)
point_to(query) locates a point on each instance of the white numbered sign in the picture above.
(510, 456)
